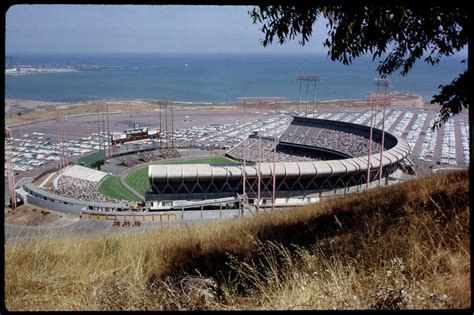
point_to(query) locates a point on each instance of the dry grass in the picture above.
(50, 112)
(403, 247)
(35, 111)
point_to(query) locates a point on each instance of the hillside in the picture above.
(402, 247)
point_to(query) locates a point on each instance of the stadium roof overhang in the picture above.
(203, 172)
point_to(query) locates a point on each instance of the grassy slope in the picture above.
(405, 246)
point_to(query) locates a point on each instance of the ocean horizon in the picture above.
(214, 78)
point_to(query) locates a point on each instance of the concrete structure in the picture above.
(42, 198)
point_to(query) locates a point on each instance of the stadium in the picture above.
(313, 159)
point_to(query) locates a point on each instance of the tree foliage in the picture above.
(397, 36)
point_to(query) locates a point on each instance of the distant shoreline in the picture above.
(19, 112)
(33, 70)
(395, 95)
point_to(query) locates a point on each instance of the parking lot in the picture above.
(35, 146)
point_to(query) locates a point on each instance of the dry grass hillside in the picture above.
(402, 247)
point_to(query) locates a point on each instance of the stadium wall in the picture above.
(54, 205)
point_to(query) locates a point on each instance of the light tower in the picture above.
(10, 173)
(98, 125)
(376, 100)
(249, 181)
(308, 78)
(109, 142)
(164, 104)
(384, 101)
(61, 138)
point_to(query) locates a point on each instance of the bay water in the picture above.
(214, 78)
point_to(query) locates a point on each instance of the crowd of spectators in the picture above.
(129, 160)
(261, 150)
(288, 154)
(255, 150)
(148, 156)
(335, 140)
(81, 189)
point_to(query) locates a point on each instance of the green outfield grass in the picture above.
(138, 179)
(112, 187)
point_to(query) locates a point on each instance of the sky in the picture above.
(140, 28)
